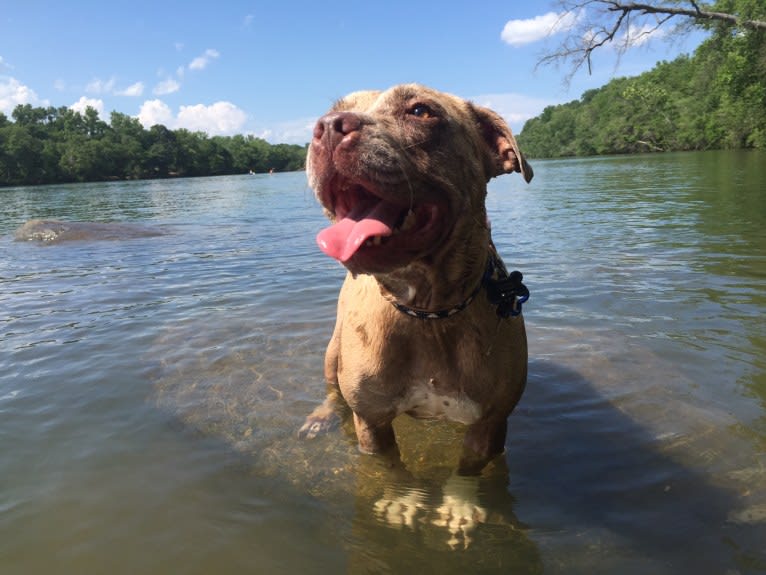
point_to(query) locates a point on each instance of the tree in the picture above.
(161, 152)
(715, 99)
(126, 141)
(94, 126)
(592, 24)
(24, 149)
(190, 159)
(49, 145)
(82, 159)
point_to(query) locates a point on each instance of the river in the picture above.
(151, 388)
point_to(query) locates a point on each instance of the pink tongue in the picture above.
(343, 239)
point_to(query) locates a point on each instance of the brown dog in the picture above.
(427, 322)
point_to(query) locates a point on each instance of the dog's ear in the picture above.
(505, 156)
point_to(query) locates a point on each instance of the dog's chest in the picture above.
(424, 400)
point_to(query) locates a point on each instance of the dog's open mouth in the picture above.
(365, 222)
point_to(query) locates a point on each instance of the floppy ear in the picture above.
(503, 149)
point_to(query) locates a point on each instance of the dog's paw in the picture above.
(324, 418)
(400, 510)
(317, 425)
(460, 511)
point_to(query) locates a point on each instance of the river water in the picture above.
(151, 388)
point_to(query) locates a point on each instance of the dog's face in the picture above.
(397, 171)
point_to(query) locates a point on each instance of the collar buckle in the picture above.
(504, 290)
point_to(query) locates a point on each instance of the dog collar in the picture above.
(504, 290)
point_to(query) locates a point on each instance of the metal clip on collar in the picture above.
(508, 294)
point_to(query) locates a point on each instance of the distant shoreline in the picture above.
(59, 145)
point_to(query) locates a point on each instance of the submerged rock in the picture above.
(52, 231)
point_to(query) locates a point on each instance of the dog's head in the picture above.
(397, 171)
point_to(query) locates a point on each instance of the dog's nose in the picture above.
(336, 126)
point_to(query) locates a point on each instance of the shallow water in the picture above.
(151, 388)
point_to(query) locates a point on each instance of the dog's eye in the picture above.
(421, 111)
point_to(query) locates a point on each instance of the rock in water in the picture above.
(50, 231)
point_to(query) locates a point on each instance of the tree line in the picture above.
(44, 145)
(713, 99)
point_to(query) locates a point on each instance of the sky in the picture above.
(271, 68)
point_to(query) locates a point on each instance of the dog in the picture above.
(428, 319)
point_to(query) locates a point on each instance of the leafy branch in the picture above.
(597, 23)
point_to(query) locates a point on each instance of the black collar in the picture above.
(504, 290)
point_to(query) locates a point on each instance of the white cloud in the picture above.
(639, 35)
(265, 134)
(5, 65)
(166, 87)
(201, 62)
(136, 89)
(83, 103)
(515, 108)
(13, 93)
(218, 119)
(520, 32)
(221, 118)
(98, 86)
(155, 112)
(293, 132)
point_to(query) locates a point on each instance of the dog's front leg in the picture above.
(326, 416)
(483, 441)
(374, 437)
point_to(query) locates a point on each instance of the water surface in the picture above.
(151, 389)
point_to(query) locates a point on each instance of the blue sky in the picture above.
(270, 68)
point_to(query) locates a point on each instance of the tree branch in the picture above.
(600, 22)
(697, 13)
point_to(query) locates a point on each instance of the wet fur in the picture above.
(470, 367)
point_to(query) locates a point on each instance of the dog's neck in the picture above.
(445, 280)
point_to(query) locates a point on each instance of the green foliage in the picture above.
(52, 145)
(713, 100)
